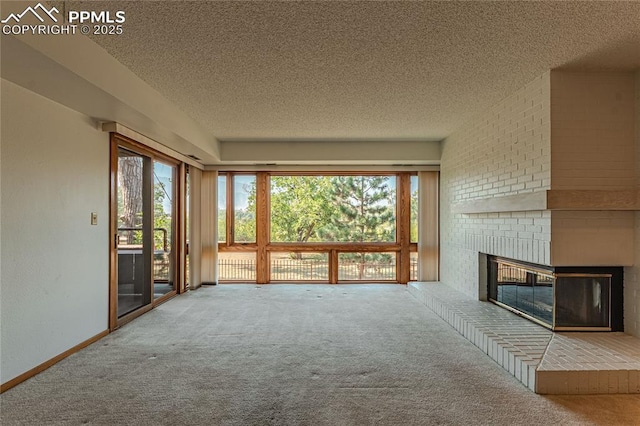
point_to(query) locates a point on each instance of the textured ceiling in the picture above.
(359, 70)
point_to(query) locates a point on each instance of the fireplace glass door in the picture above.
(562, 298)
(582, 300)
(527, 291)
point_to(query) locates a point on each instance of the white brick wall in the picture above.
(507, 150)
(504, 151)
(632, 274)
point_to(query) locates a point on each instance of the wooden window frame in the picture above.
(263, 247)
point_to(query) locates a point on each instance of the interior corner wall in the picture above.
(632, 273)
(503, 151)
(54, 279)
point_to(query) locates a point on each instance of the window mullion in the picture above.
(230, 210)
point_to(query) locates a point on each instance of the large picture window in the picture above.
(318, 227)
(333, 209)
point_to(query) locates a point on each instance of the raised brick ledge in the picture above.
(545, 362)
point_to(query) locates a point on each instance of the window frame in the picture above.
(263, 246)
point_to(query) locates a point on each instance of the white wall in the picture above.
(54, 280)
(331, 152)
(504, 151)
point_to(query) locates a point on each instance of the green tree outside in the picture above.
(300, 207)
(366, 213)
(325, 209)
(245, 218)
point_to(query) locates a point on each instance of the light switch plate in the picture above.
(94, 218)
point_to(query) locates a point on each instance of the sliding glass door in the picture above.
(144, 195)
(163, 224)
(134, 232)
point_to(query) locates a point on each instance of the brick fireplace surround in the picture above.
(549, 176)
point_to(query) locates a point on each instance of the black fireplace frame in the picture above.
(616, 290)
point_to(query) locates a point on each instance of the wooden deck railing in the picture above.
(311, 270)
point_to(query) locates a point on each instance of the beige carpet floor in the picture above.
(293, 355)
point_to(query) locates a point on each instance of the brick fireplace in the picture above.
(550, 177)
(547, 177)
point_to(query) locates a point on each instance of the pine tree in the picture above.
(366, 214)
(130, 196)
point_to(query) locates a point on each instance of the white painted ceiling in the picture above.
(358, 70)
